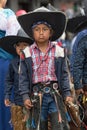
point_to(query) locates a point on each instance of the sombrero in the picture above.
(56, 19)
(76, 24)
(7, 43)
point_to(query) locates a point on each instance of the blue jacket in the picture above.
(60, 70)
(79, 36)
(80, 64)
(12, 82)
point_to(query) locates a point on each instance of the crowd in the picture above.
(43, 73)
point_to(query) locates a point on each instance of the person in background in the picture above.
(80, 62)
(16, 45)
(77, 26)
(45, 61)
(8, 26)
(80, 65)
(20, 12)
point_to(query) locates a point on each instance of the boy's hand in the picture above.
(28, 104)
(7, 102)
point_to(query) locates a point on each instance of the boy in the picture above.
(15, 45)
(47, 65)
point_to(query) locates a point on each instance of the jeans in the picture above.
(48, 106)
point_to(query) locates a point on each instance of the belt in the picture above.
(45, 87)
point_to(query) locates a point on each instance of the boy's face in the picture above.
(20, 46)
(42, 33)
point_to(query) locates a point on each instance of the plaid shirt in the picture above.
(43, 64)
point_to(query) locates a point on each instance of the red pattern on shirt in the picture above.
(43, 64)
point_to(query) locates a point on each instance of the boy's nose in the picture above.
(41, 31)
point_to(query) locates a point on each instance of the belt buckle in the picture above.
(46, 89)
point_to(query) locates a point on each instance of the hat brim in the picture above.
(7, 43)
(56, 19)
(75, 24)
(81, 26)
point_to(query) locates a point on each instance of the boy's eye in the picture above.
(36, 29)
(25, 45)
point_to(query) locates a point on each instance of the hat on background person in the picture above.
(7, 43)
(56, 19)
(77, 23)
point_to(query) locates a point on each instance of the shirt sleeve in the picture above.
(12, 24)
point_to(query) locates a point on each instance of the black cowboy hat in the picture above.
(7, 43)
(56, 19)
(76, 24)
